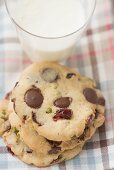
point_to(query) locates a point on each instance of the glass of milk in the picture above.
(49, 29)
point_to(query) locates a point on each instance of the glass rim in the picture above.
(43, 37)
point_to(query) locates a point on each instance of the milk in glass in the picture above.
(49, 26)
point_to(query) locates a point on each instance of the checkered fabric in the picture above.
(95, 58)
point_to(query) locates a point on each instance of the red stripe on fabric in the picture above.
(111, 41)
(109, 119)
(15, 60)
(107, 27)
(92, 53)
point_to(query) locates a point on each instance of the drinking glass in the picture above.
(50, 48)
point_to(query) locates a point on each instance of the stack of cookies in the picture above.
(50, 114)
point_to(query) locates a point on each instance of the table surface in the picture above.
(95, 58)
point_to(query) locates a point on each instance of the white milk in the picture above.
(49, 18)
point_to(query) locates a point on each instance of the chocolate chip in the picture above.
(96, 114)
(54, 143)
(63, 102)
(33, 86)
(49, 75)
(101, 101)
(14, 100)
(63, 114)
(82, 137)
(7, 126)
(90, 95)
(33, 98)
(79, 79)
(34, 118)
(56, 160)
(89, 120)
(16, 84)
(7, 97)
(54, 150)
(9, 150)
(29, 151)
(24, 118)
(36, 81)
(74, 137)
(70, 75)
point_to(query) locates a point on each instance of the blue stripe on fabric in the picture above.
(15, 162)
(111, 156)
(3, 162)
(91, 160)
(82, 71)
(79, 160)
(106, 85)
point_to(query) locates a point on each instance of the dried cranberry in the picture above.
(63, 114)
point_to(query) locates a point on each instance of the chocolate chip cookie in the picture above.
(42, 145)
(4, 113)
(36, 142)
(52, 112)
(59, 101)
(17, 147)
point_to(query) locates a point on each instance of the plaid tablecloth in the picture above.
(94, 57)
